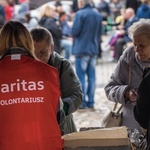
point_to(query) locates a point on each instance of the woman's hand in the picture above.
(131, 95)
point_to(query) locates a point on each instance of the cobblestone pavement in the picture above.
(92, 118)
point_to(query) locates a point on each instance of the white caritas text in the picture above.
(21, 85)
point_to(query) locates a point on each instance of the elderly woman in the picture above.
(125, 79)
(142, 107)
(29, 94)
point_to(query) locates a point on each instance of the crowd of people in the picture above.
(62, 23)
(39, 98)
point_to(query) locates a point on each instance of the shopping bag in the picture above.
(112, 118)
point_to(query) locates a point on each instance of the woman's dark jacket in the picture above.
(142, 107)
(55, 29)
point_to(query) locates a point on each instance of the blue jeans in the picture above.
(85, 67)
(67, 45)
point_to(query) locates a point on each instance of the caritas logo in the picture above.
(22, 85)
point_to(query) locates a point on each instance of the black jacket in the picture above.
(142, 107)
(55, 29)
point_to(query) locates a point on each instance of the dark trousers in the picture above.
(119, 45)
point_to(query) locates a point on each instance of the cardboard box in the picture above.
(100, 148)
(98, 139)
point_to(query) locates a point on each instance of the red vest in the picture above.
(29, 97)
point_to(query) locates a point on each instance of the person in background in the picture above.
(30, 22)
(10, 10)
(30, 105)
(75, 6)
(48, 21)
(125, 80)
(23, 9)
(104, 10)
(86, 31)
(71, 92)
(117, 25)
(2, 13)
(93, 3)
(58, 8)
(57, 3)
(134, 4)
(115, 7)
(66, 41)
(143, 11)
(124, 40)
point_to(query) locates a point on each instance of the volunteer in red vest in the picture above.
(30, 105)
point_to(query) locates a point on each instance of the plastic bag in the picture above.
(137, 140)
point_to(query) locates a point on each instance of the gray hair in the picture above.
(85, 2)
(140, 27)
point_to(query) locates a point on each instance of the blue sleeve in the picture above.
(77, 25)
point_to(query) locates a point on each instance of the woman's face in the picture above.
(79, 4)
(142, 46)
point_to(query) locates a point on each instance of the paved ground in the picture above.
(104, 68)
